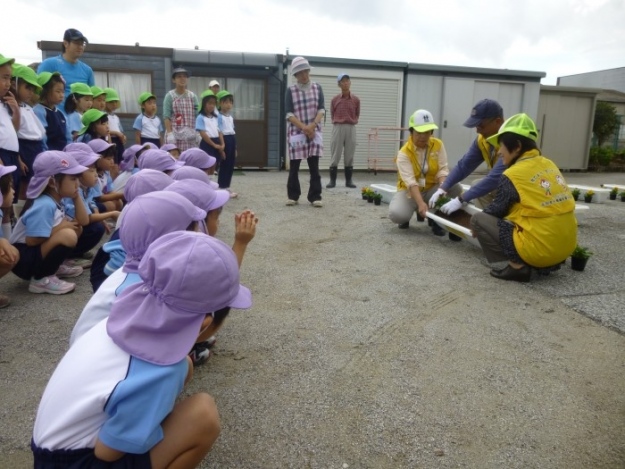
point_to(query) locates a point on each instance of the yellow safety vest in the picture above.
(545, 231)
(432, 151)
(489, 152)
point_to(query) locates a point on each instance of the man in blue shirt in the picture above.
(68, 64)
(486, 117)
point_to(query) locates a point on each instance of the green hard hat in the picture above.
(520, 124)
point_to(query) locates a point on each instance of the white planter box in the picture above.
(601, 194)
(387, 191)
(458, 230)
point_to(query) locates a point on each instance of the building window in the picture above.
(129, 85)
(249, 95)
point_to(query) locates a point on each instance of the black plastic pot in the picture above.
(370, 199)
(588, 199)
(377, 201)
(364, 196)
(578, 263)
(612, 196)
(623, 198)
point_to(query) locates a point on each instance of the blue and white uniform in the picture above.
(119, 399)
(151, 128)
(38, 220)
(99, 306)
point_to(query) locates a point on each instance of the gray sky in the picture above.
(559, 37)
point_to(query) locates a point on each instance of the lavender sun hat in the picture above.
(158, 319)
(83, 153)
(200, 194)
(149, 217)
(189, 172)
(197, 158)
(48, 164)
(169, 147)
(144, 182)
(100, 146)
(129, 155)
(159, 160)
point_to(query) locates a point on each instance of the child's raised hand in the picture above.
(10, 101)
(245, 226)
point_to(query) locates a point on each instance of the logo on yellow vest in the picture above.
(547, 186)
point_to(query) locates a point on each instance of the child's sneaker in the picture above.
(209, 344)
(199, 354)
(52, 285)
(68, 271)
(84, 263)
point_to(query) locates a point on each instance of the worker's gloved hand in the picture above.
(436, 196)
(451, 206)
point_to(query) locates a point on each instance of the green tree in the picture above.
(606, 122)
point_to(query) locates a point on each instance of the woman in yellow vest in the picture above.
(421, 169)
(531, 222)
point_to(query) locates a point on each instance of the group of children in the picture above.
(163, 284)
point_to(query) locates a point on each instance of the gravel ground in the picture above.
(373, 347)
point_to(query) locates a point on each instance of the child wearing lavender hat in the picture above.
(147, 218)
(128, 166)
(198, 158)
(143, 182)
(42, 235)
(159, 160)
(122, 409)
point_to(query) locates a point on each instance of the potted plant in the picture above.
(377, 198)
(613, 193)
(442, 200)
(622, 195)
(370, 194)
(575, 193)
(364, 191)
(588, 196)
(579, 258)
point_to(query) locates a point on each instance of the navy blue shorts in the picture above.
(85, 459)
(155, 141)
(101, 207)
(30, 259)
(29, 149)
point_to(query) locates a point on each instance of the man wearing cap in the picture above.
(305, 108)
(68, 64)
(486, 117)
(180, 108)
(214, 86)
(345, 110)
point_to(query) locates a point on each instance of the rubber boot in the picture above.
(333, 172)
(349, 170)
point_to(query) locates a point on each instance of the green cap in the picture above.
(80, 88)
(27, 74)
(143, 97)
(223, 94)
(207, 93)
(5, 60)
(89, 117)
(111, 94)
(520, 124)
(44, 77)
(97, 91)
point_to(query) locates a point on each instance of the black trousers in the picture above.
(292, 186)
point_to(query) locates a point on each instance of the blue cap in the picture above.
(485, 109)
(341, 76)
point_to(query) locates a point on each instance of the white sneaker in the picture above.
(317, 203)
(291, 202)
(68, 271)
(52, 285)
(84, 263)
